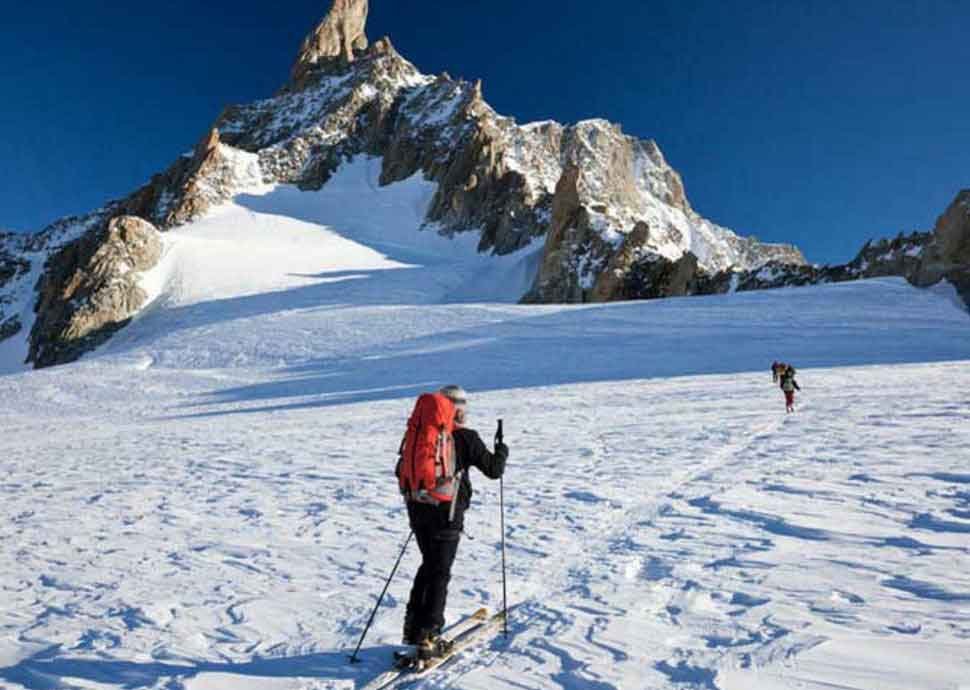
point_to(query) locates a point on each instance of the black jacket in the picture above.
(470, 451)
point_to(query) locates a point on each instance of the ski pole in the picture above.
(499, 437)
(353, 657)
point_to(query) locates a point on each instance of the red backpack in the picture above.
(426, 470)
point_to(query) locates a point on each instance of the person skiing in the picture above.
(789, 385)
(438, 525)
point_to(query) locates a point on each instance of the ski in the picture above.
(459, 643)
(403, 660)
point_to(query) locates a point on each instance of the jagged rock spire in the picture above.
(340, 33)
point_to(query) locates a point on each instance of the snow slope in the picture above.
(207, 503)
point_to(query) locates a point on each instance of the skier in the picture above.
(789, 385)
(438, 527)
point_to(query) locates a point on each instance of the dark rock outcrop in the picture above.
(13, 267)
(953, 232)
(947, 256)
(9, 326)
(897, 257)
(569, 241)
(658, 277)
(90, 289)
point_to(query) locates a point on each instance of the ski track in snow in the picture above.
(208, 503)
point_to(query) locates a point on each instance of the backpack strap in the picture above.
(454, 500)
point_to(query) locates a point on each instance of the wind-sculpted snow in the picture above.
(184, 542)
(208, 502)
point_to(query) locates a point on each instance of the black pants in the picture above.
(438, 540)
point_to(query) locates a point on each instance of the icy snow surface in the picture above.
(208, 503)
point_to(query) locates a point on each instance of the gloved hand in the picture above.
(501, 454)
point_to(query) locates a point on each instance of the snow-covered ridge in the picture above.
(436, 109)
(625, 181)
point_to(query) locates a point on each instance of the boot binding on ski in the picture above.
(433, 647)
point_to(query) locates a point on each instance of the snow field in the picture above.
(686, 534)
(208, 502)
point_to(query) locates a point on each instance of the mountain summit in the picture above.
(340, 35)
(603, 213)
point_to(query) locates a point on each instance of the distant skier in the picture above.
(436, 454)
(789, 385)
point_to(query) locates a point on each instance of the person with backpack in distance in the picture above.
(789, 385)
(436, 455)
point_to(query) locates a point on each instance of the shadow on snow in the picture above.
(882, 321)
(46, 671)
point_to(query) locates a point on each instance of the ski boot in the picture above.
(433, 646)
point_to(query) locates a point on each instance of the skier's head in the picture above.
(457, 395)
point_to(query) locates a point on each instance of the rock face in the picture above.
(89, 286)
(11, 265)
(192, 185)
(13, 269)
(627, 205)
(90, 289)
(896, 257)
(495, 177)
(339, 36)
(608, 214)
(923, 258)
(949, 255)
(953, 232)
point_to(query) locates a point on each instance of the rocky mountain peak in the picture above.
(340, 36)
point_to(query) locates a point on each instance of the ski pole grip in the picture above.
(499, 434)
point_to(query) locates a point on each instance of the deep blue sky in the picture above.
(817, 122)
